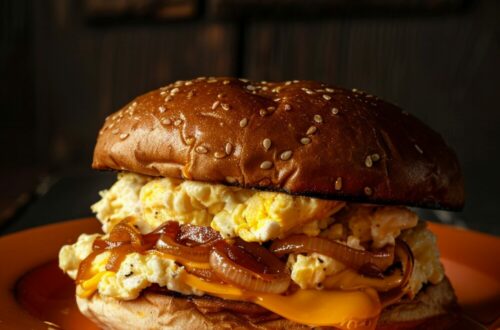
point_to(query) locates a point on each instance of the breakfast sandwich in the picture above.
(266, 205)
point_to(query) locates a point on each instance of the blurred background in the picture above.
(66, 65)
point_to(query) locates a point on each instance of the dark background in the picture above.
(65, 65)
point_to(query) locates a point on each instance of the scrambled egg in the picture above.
(427, 267)
(250, 214)
(136, 272)
(310, 271)
(367, 223)
(120, 202)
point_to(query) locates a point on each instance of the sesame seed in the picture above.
(115, 131)
(277, 99)
(211, 80)
(335, 111)
(327, 97)
(230, 179)
(288, 83)
(271, 108)
(111, 125)
(187, 83)
(123, 136)
(311, 130)
(419, 149)
(263, 82)
(225, 106)
(318, 119)
(375, 157)
(220, 95)
(136, 118)
(219, 155)
(162, 93)
(177, 122)
(228, 148)
(243, 80)
(190, 94)
(166, 121)
(215, 105)
(286, 155)
(161, 109)
(305, 140)
(338, 183)
(264, 88)
(295, 81)
(265, 165)
(329, 90)
(189, 140)
(201, 150)
(368, 191)
(225, 82)
(266, 143)
(174, 91)
(288, 107)
(168, 98)
(368, 161)
(262, 112)
(243, 122)
(250, 87)
(354, 90)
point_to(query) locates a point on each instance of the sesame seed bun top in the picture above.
(300, 137)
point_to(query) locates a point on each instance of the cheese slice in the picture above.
(348, 279)
(343, 309)
(86, 288)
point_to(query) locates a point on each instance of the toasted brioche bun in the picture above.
(299, 137)
(433, 308)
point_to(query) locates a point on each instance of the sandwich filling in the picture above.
(313, 261)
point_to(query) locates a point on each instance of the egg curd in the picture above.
(255, 216)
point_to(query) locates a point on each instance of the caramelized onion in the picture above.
(199, 253)
(252, 270)
(348, 256)
(207, 274)
(196, 235)
(405, 256)
(125, 233)
(187, 241)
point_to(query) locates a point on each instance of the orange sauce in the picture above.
(49, 295)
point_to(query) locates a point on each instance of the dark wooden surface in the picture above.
(63, 71)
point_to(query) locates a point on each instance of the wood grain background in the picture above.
(65, 65)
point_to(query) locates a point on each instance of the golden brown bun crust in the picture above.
(364, 150)
(435, 306)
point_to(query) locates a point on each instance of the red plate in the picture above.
(46, 296)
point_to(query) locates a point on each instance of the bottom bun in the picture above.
(433, 308)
